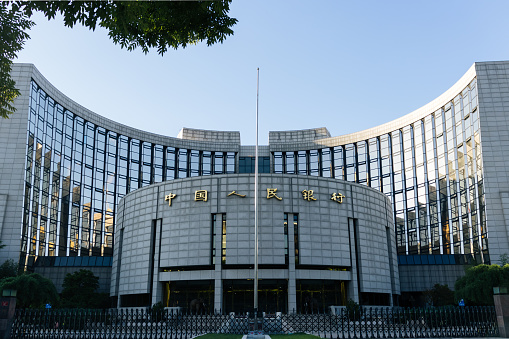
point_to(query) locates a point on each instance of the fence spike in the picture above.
(368, 322)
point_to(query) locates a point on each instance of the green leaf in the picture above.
(159, 25)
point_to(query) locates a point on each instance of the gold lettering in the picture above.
(271, 193)
(337, 197)
(200, 195)
(308, 195)
(169, 197)
(235, 193)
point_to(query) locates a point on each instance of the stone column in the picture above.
(353, 285)
(502, 311)
(157, 286)
(218, 270)
(292, 283)
(7, 309)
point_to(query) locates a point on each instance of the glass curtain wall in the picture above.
(76, 172)
(432, 172)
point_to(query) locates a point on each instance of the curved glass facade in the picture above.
(77, 171)
(431, 170)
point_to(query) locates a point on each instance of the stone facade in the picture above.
(352, 241)
(66, 173)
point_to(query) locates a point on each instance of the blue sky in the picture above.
(344, 65)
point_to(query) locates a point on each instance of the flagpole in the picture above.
(256, 207)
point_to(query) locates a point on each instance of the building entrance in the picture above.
(182, 293)
(315, 296)
(238, 296)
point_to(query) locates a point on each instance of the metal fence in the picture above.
(339, 323)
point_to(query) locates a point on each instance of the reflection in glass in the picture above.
(76, 173)
(430, 169)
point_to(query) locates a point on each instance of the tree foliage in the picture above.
(8, 269)
(33, 290)
(504, 259)
(353, 309)
(439, 295)
(144, 24)
(476, 287)
(79, 291)
(131, 24)
(13, 26)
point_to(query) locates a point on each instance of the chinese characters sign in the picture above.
(337, 197)
(271, 193)
(308, 195)
(235, 193)
(200, 195)
(169, 197)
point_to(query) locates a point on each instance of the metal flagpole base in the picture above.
(257, 328)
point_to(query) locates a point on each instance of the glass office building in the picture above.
(432, 171)
(77, 171)
(442, 167)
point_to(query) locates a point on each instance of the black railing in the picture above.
(381, 322)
